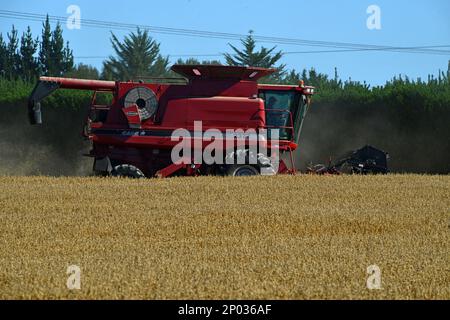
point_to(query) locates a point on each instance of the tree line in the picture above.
(28, 57)
(138, 55)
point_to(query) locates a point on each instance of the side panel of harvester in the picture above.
(222, 104)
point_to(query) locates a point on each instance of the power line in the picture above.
(339, 46)
(366, 49)
(231, 36)
(209, 34)
(284, 53)
(170, 55)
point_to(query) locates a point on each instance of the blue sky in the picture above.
(403, 23)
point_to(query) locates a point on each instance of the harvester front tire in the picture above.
(241, 170)
(127, 171)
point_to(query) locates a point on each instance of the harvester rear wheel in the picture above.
(127, 171)
(241, 170)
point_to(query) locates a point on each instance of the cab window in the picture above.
(278, 104)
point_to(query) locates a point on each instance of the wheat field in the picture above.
(282, 237)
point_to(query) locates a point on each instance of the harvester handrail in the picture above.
(162, 80)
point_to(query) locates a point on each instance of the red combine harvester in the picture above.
(133, 135)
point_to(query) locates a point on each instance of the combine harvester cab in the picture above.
(146, 124)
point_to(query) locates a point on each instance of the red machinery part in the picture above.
(47, 85)
(81, 84)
